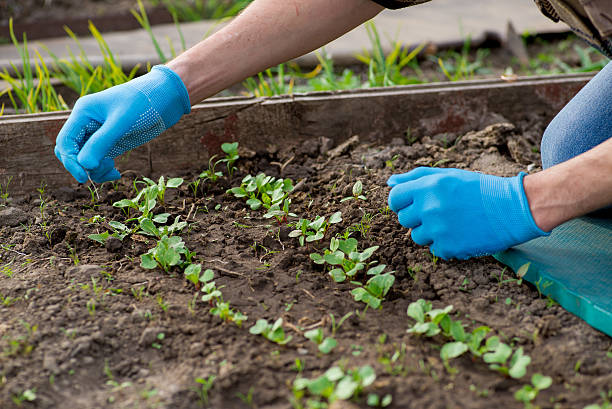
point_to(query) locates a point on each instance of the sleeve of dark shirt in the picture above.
(398, 4)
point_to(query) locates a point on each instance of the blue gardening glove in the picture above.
(104, 125)
(462, 214)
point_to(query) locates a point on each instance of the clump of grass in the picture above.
(79, 73)
(31, 91)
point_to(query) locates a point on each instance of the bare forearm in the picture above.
(571, 189)
(267, 33)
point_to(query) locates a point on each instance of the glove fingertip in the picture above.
(88, 161)
(111, 175)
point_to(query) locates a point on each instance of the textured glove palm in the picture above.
(462, 214)
(104, 125)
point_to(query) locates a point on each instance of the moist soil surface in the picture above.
(80, 321)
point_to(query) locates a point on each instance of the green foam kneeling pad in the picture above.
(573, 266)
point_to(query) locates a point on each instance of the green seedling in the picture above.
(29, 395)
(385, 71)
(4, 193)
(308, 231)
(329, 80)
(280, 210)
(205, 385)
(160, 187)
(272, 81)
(272, 332)
(349, 261)
(324, 344)
(120, 231)
(148, 227)
(498, 355)
(336, 326)
(375, 290)
(210, 173)
(166, 254)
(528, 393)
(357, 190)
(193, 274)
(375, 400)
(231, 156)
(262, 190)
(21, 345)
(222, 310)
(333, 385)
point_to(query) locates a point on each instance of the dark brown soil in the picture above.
(81, 358)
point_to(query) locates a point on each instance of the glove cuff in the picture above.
(506, 205)
(166, 93)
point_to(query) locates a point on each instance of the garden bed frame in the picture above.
(27, 141)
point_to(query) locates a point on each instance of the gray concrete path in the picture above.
(438, 22)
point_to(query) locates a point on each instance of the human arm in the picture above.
(109, 123)
(463, 214)
(571, 189)
(267, 33)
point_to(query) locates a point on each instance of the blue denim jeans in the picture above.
(585, 122)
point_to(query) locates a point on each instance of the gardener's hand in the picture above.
(104, 125)
(460, 213)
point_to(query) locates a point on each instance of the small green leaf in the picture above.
(100, 238)
(376, 270)
(335, 218)
(315, 335)
(317, 258)
(174, 182)
(260, 326)
(386, 400)
(357, 188)
(346, 388)
(457, 331)
(147, 261)
(452, 350)
(373, 399)
(367, 253)
(327, 345)
(541, 382)
(334, 373)
(518, 364)
(334, 258)
(415, 311)
(499, 354)
(337, 275)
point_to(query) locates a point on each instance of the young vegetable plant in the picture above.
(161, 186)
(325, 344)
(431, 322)
(357, 190)
(333, 385)
(168, 252)
(210, 173)
(308, 231)
(375, 290)
(148, 227)
(213, 293)
(349, 261)
(528, 393)
(120, 231)
(231, 156)
(262, 190)
(272, 332)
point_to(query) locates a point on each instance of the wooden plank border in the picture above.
(27, 141)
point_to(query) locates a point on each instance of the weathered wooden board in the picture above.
(27, 141)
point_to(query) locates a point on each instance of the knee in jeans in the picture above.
(555, 142)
